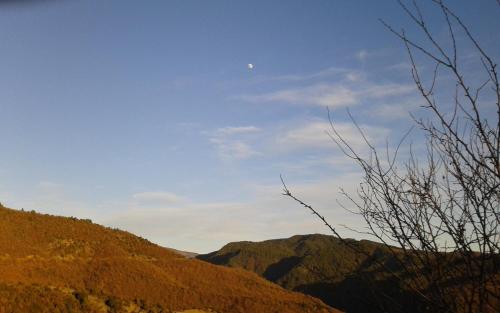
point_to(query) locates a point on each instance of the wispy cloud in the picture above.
(234, 149)
(286, 140)
(363, 55)
(320, 94)
(315, 135)
(352, 90)
(231, 142)
(321, 74)
(230, 130)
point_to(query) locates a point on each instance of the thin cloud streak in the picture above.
(333, 95)
(316, 135)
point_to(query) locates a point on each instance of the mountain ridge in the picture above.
(59, 264)
(322, 266)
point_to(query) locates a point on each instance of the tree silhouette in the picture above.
(439, 214)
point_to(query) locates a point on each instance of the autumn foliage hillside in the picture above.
(59, 264)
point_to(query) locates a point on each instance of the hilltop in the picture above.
(59, 264)
(324, 267)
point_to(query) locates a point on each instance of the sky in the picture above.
(145, 116)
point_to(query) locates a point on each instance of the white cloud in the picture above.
(312, 137)
(228, 131)
(233, 149)
(320, 94)
(315, 135)
(332, 87)
(231, 142)
(334, 95)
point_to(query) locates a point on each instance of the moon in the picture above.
(250, 66)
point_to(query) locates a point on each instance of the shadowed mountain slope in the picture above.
(324, 267)
(58, 264)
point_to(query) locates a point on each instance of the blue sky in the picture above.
(144, 115)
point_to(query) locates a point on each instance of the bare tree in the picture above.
(439, 214)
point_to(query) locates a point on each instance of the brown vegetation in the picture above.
(58, 264)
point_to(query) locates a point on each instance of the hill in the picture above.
(324, 267)
(59, 264)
